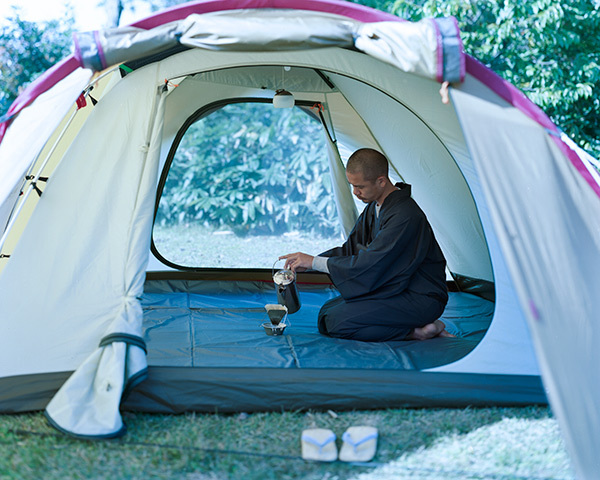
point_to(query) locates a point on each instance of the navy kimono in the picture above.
(390, 273)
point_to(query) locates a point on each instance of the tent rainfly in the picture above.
(94, 321)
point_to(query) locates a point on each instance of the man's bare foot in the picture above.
(431, 330)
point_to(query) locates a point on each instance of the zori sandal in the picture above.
(360, 444)
(319, 444)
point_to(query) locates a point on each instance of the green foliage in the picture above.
(548, 49)
(253, 169)
(28, 49)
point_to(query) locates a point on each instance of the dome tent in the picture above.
(508, 196)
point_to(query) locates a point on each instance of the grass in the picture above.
(495, 443)
(198, 246)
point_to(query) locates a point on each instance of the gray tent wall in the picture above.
(544, 262)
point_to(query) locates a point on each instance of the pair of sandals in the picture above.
(359, 444)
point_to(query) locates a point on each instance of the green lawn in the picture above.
(494, 443)
(197, 246)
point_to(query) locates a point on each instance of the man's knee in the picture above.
(336, 319)
(354, 321)
(326, 313)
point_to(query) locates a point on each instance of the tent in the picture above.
(93, 321)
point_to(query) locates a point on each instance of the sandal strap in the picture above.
(346, 437)
(308, 438)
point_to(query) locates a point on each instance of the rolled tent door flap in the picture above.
(430, 48)
(87, 405)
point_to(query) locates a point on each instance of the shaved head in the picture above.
(368, 162)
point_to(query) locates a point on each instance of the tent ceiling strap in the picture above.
(40, 179)
(319, 108)
(124, 338)
(36, 188)
(325, 78)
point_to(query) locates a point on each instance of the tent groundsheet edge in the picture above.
(174, 390)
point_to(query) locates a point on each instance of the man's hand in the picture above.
(297, 262)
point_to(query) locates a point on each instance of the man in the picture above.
(390, 272)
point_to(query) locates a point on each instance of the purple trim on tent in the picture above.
(343, 8)
(517, 99)
(439, 76)
(41, 84)
(351, 10)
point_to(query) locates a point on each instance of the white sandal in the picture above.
(360, 444)
(319, 444)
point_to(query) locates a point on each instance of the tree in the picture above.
(253, 169)
(28, 49)
(550, 50)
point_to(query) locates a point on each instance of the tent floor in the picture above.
(207, 352)
(218, 324)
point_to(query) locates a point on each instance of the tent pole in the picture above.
(33, 182)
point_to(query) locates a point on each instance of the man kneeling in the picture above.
(390, 272)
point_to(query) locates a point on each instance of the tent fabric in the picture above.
(225, 390)
(234, 389)
(430, 48)
(122, 231)
(36, 123)
(88, 403)
(540, 208)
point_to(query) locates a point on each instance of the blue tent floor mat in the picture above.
(208, 353)
(218, 324)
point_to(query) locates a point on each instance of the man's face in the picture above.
(365, 190)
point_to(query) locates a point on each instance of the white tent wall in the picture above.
(548, 222)
(414, 148)
(52, 153)
(76, 255)
(38, 122)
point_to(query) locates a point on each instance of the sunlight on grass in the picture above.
(511, 448)
(423, 444)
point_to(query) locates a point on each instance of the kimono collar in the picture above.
(402, 193)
